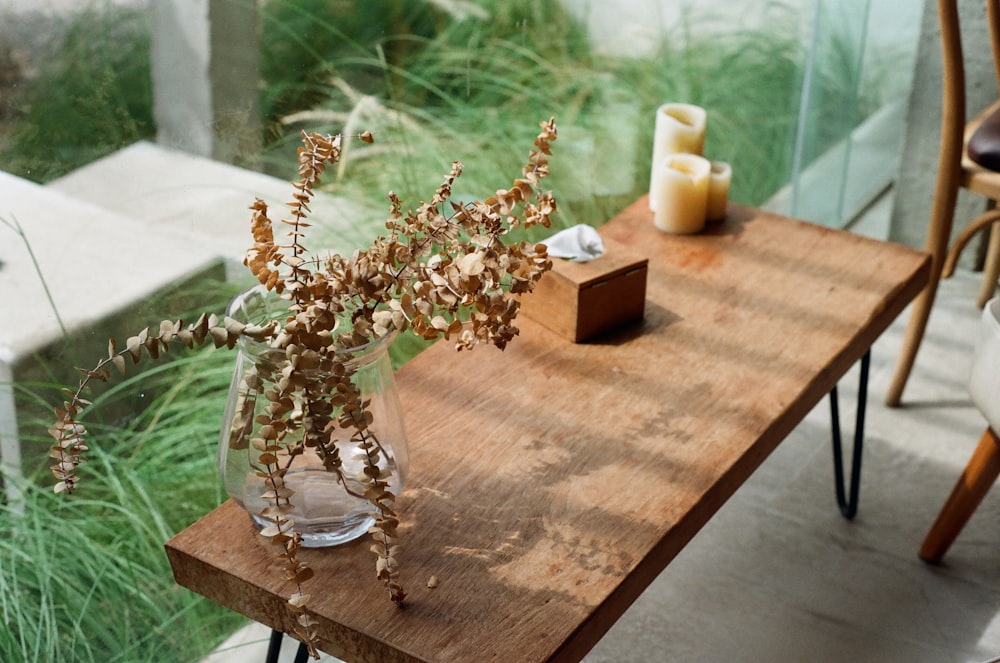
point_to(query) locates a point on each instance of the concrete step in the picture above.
(94, 262)
(198, 197)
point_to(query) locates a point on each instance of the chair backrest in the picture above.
(984, 383)
(953, 67)
(953, 100)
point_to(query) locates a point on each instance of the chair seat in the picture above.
(984, 144)
(982, 140)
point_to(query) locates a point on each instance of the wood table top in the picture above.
(551, 483)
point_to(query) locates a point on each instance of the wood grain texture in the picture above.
(552, 482)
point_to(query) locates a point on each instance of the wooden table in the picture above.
(551, 483)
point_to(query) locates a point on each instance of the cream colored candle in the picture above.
(679, 128)
(719, 179)
(681, 193)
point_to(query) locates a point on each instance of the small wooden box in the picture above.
(578, 300)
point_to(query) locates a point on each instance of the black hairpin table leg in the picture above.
(274, 649)
(847, 499)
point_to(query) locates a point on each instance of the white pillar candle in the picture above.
(681, 193)
(719, 178)
(679, 128)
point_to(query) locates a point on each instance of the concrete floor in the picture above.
(778, 575)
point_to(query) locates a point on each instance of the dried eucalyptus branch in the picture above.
(444, 269)
(70, 434)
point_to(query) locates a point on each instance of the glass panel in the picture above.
(859, 65)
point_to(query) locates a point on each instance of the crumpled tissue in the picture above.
(579, 243)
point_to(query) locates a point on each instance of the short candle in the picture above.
(719, 178)
(681, 193)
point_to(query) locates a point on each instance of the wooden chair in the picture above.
(984, 466)
(969, 158)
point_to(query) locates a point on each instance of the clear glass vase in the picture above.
(328, 506)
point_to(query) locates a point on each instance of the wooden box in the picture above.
(579, 300)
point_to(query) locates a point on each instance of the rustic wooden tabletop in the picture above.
(550, 483)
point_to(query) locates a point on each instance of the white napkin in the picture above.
(579, 243)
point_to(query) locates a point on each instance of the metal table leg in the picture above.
(274, 649)
(849, 504)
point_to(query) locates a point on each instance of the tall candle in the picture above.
(719, 179)
(679, 128)
(681, 193)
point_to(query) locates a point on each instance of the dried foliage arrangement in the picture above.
(443, 269)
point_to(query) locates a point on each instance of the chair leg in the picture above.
(991, 270)
(916, 325)
(979, 475)
(938, 236)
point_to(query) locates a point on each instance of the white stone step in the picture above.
(94, 261)
(198, 197)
